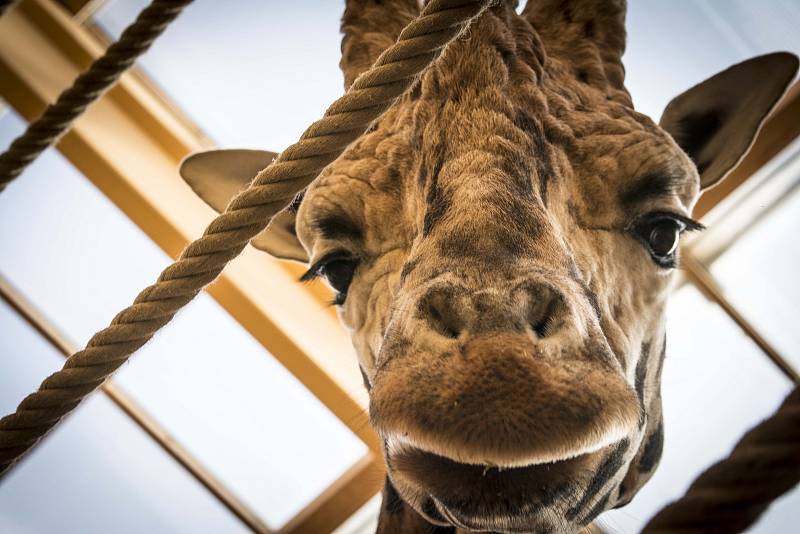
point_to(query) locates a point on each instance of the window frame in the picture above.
(255, 290)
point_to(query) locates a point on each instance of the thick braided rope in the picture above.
(731, 494)
(418, 45)
(88, 87)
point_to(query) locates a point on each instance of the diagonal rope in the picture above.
(730, 495)
(418, 45)
(88, 87)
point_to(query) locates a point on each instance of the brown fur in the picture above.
(504, 304)
(501, 160)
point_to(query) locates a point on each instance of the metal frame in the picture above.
(129, 145)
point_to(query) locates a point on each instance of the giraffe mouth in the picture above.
(530, 456)
(461, 520)
(495, 404)
(483, 497)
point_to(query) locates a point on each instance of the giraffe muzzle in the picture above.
(500, 402)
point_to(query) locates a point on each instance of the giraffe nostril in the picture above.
(443, 326)
(452, 312)
(543, 309)
(542, 328)
(438, 310)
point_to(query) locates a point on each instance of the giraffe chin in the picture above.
(533, 498)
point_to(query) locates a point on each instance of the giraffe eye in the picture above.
(338, 269)
(339, 274)
(664, 238)
(661, 233)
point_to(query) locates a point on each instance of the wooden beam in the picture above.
(129, 145)
(81, 10)
(697, 273)
(342, 499)
(73, 6)
(137, 414)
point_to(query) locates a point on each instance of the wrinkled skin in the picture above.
(493, 187)
(502, 242)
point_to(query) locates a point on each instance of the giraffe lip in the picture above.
(397, 444)
(453, 517)
(461, 520)
(454, 486)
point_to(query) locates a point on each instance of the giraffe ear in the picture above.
(218, 175)
(716, 121)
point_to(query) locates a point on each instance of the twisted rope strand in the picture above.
(730, 495)
(420, 43)
(88, 87)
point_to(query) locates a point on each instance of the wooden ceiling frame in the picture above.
(58, 341)
(129, 145)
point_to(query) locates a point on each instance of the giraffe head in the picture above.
(501, 245)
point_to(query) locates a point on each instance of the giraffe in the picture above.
(501, 244)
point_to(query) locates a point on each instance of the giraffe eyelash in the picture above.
(689, 224)
(316, 268)
(338, 268)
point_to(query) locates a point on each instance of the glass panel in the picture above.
(759, 271)
(251, 76)
(97, 472)
(716, 385)
(257, 75)
(752, 250)
(691, 41)
(675, 45)
(364, 520)
(204, 378)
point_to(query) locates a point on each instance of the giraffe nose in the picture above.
(453, 312)
(466, 375)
